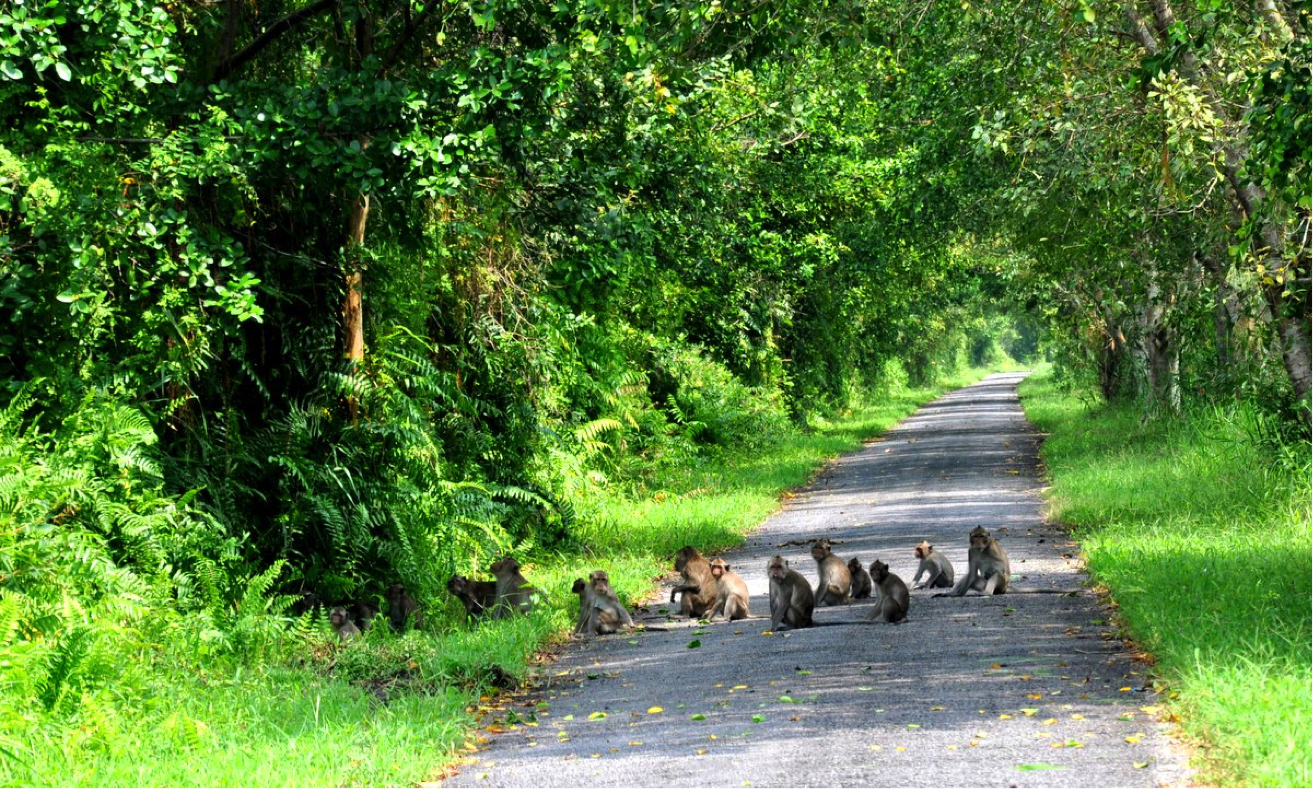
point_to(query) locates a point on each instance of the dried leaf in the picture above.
(654, 710)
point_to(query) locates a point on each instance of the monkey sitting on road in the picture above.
(936, 564)
(791, 599)
(731, 593)
(600, 611)
(698, 591)
(988, 569)
(835, 580)
(861, 579)
(891, 595)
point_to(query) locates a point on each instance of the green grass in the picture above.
(398, 710)
(1204, 544)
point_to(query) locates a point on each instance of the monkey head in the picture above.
(854, 565)
(505, 565)
(338, 617)
(579, 586)
(879, 571)
(458, 585)
(777, 568)
(979, 537)
(718, 567)
(395, 592)
(923, 550)
(820, 549)
(686, 554)
(600, 581)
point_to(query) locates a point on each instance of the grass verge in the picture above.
(396, 711)
(1204, 542)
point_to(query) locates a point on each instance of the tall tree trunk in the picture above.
(353, 315)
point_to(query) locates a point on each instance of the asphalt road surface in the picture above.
(1014, 690)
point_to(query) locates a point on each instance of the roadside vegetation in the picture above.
(1199, 527)
(264, 698)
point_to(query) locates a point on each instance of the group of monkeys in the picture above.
(509, 594)
(709, 589)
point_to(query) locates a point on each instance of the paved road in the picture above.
(1017, 690)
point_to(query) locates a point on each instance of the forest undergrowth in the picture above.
(1199, 528)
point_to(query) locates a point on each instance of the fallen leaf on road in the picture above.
(1040, 767)
(1077, 717)
(596, 716)
(1050, 721)
(1139, 765)
(1136, 737)
(654, 710)
(1034, 695)
(697, 717)
(936, 709)
(758, 718)
(695, 643)
(1029, 712)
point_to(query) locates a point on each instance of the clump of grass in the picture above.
(1204, 543)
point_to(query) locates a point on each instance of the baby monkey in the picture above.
(861, 579)
(934, 563)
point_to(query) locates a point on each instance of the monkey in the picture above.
(363, 613)
(891, 596)
(791, 600)
(342, 625)
(699, 587)
(731, 593)
(512, 591)
(835, 581)
(585, 593)
(402, 608)
(861, 579)
(306, 601)
(935, 563)
(988, 569)
(600, 611)
(477, 596)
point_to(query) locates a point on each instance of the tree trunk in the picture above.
(353, 315)
(1249, 197)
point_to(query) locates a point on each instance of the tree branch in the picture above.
(267, 37)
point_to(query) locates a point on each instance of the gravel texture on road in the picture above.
(1014, 690)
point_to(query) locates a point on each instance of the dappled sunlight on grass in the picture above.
(1205, 546)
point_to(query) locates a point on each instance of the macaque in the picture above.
(988, 569)
(791, 600)
(861, 579)
(835, 581)
(891, 595)
(402, 608)
(342, 625)
(513, 593)
(934, 563)
(600, 611)
(477, 596)
(699, 587)
(363, 613)
(306, 601)
(731, 593)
